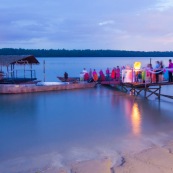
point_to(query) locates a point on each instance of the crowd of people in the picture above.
(153, 74)
(156, 73)
(93, 75)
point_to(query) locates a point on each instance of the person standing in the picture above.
(161, 71)
(107, 74)
(95, 76)
(118, 73)
(102, 76)
(113, 73)
(157, 71)
(66, 76)
(90, 74)
(84, 71)
(170, 70)
(149, 69)
(82, 74)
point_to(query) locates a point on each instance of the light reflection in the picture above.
(136, 119)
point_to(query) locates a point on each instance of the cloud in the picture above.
(163, 5)
(99, 24)
(108, 22)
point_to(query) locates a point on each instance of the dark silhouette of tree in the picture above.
(83, 53)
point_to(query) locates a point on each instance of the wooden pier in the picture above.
(42, 87)
(149, 89)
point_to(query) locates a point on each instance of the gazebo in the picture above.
(8, 62)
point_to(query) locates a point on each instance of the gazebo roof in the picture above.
(6, 60)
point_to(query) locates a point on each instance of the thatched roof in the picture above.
(6, 60)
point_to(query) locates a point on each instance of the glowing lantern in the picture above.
(137, 65)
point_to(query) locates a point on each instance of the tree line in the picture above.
(83, 53)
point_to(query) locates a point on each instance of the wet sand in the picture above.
(156, 160)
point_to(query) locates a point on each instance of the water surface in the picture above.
(53, 129)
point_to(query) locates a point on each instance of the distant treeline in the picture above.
(83, 53)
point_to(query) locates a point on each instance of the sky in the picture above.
(87, 24)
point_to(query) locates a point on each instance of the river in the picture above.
(55, 129)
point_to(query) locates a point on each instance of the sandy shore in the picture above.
(155, 160)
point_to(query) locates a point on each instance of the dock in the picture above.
(43, 87)
(149, 89)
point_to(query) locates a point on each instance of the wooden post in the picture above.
(134, 90)
(24, 70)
(31, 72)
(145, 91)
(44, 70)
(132, 75)
(7, 71)
(13, 71)
(159, 92)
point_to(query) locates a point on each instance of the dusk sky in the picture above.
(87, 24)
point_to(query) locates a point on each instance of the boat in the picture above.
(17, 80)
(69, 79)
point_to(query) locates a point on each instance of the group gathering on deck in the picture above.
(95, 76)
(149, 74)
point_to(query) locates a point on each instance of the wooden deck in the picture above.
(111, 82)
(136, 88)
(149, 89)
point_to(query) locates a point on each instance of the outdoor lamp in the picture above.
(137, 65)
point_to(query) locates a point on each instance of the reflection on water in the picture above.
(66, 122)
(62, 126)
(136, 119)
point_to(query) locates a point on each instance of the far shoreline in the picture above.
(84, 53)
